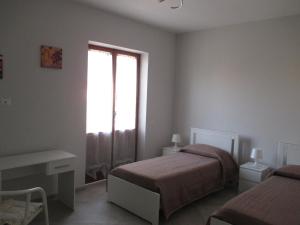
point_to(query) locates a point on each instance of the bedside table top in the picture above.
(251, 166)
(172, 148)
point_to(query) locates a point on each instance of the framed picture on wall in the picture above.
(51, 57)
(1, 67)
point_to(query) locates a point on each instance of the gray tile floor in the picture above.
(93, 209)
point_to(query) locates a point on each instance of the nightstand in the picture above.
(251, 175)
(170, 150)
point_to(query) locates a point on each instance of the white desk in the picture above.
(51, 163)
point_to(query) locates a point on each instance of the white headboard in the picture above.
(227, 141)
(288, 153)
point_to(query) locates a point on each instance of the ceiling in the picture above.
(197, 14)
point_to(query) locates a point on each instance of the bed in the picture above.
(273, 202)
(171, 182)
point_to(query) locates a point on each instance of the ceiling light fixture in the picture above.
(174, 7)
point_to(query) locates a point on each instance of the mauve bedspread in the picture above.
(274, 202)
(183, 177)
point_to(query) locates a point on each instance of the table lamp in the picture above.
(176, 140)
(256, 155)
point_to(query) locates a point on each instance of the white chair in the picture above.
(13, 212)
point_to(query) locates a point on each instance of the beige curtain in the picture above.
(98, 154)
(124, 147)
(98, 157)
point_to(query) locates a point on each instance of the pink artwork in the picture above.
(51, 57)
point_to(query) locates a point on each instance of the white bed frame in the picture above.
(145, 203)
(287, 153)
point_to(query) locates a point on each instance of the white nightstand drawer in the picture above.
(60, 166)
(245, 185)
(170, 150)
(250, 175)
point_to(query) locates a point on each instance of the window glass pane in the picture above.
(126, 81)
(100, 92)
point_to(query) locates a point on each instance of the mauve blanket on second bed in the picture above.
(276, 201)
(183, 177)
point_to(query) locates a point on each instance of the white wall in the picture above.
(48, 106)
(243, 78)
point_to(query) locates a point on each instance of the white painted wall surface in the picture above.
(242, 78)
(48, 106)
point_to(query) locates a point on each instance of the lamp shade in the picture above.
(176, 138)
(256, 154)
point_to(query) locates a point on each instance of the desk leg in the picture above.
(0, 181)
(66, 189)
(0, 185)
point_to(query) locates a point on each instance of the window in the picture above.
(112, 90)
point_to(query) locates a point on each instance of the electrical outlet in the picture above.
(5, 100)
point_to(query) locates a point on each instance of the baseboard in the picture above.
(90, 184)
